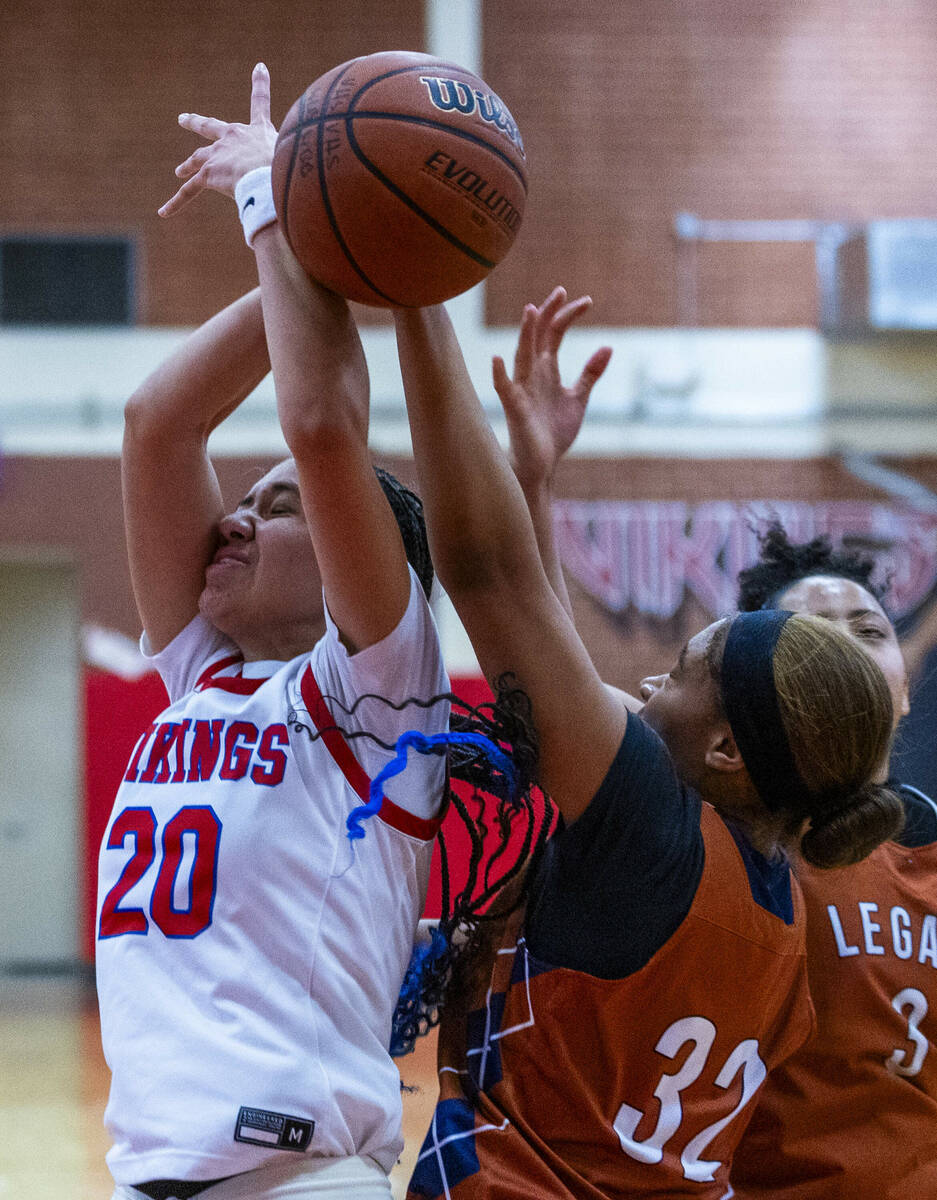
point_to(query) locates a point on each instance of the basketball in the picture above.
(399, 179)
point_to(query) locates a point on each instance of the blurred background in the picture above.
(747, 191)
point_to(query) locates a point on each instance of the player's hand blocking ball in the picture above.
(233, 148)
(399, 179)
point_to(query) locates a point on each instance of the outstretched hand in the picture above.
(543, 416)
(234, 148)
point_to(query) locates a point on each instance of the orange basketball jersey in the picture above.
(560, 1084)
(854, 1114)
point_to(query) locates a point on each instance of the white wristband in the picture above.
(253, 194)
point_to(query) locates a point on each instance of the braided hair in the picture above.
(504, 817)
(783, 563)
(408, 510)
(492, 757)
(475, 909)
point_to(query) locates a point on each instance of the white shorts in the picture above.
(320, 1178)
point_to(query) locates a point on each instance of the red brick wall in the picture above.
(92, 90)
(631, 112)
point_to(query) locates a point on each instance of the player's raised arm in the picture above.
(322, 400)
(486, 553)
(172, 502)
(544, 416)
(322, 390)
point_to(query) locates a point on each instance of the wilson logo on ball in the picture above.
(452, 95)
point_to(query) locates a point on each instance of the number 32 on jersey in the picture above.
(701, 1034)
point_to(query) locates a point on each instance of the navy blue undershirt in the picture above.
(615, 885)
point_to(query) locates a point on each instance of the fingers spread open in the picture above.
(526, 343)
(593, 371)
(193, 163)
(185, 194)
(499, 374)
(554, 300)
(562, 319)
(545, 314)
(207, 127)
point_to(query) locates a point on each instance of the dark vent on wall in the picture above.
(66, 281)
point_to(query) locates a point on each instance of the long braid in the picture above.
(407, 508)
(497, 879)
(492, 750)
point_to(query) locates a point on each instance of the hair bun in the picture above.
(852, 827)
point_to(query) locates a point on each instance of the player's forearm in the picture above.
(479, 527)
(539, 497)
(318, 362)
(321, 381)
(205, 379)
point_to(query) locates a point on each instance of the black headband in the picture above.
(750, 700)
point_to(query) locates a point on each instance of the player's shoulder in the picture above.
(743, 891)
(196, 648)
(408, 661)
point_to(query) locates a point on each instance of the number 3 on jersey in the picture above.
(191, 837)
(901, 1062)
(702, 1034)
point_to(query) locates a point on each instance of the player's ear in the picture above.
(722, 752)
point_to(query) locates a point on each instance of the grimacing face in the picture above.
(263, 586)
(857, 613)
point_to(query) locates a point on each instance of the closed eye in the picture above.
(681, 662)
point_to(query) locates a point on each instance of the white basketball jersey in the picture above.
(249, 955)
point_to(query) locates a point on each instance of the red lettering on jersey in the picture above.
(197, 763)
(131, 773)
(237, 757)
(206, 746)
(275, 759)
(139, 824)
(168, 735)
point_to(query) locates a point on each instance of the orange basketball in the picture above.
(399, 179)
